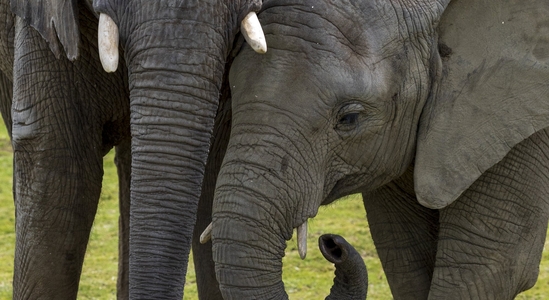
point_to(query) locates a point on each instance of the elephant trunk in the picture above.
(247, 249)
(351, 276)
(173, 100)
(169, 149)
(252, 214)
(252, 221)
(248, 252)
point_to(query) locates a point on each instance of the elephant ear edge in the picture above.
(56, 21)
(493, 93)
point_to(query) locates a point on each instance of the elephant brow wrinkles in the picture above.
(301, 22)
(286, 112)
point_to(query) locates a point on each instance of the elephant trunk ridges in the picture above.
(247, 249)
(252, 216)
(174, 89)
(259, 201)
(171, 125)
(351, 276)
(176, 57)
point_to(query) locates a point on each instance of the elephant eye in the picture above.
(348, 117)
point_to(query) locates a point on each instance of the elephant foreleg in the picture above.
(66, 115)
(404, 233)
(58, 176)
(492, 237)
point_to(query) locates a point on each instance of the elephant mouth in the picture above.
(352, 184)
(340, 189)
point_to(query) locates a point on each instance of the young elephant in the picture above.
(435, 111)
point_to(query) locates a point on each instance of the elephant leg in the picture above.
(66, 116)
(123, 161)
(491, 238)
(58, 171)
(208, 287)
(404, 233)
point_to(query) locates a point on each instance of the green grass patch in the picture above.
(304, 279)
(7, 214)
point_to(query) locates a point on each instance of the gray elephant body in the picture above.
(67, 113)
(408, 102)
(60, 157)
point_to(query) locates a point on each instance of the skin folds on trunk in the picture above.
(251, 224)
(173, 103)
(171, 123)
(255, 263)
(176, 58)
(245, 267)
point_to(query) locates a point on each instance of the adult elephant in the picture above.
(66, 113)
(109, 115)
(409, 102)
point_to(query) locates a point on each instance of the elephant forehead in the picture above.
(301, 82)
(315, 25)
(281, 75)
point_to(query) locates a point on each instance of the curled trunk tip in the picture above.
(351, 277)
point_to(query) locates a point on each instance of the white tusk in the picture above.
(302, 240)
(206, 235)
(107, 38)
(251, 29)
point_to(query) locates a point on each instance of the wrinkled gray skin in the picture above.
(67, 113)
(435, 111)
(111, 116)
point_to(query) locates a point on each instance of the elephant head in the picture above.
(175, 53)
(349, 96)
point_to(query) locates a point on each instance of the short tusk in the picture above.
(302, 240)
(251, 29)
(206, 235)
(107, 38)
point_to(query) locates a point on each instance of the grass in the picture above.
(304, 279)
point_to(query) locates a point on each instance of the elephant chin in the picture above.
(351, 276)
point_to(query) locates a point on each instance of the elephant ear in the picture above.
(55, 20)
(492, 94)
